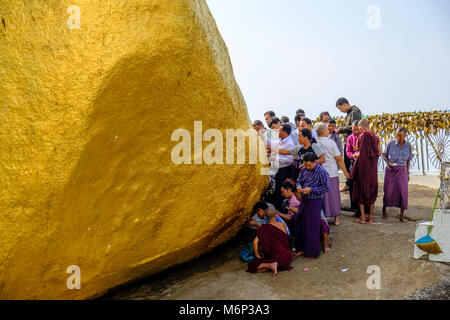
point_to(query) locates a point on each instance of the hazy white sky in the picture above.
(294, 53)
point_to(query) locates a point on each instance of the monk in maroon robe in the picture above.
(271, 246)
(365, 171)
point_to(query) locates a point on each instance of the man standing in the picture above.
(269, 116)
(365, 171)
(285, 163)
(259, 127)
(275, 124)
(269, 133)
(398, 156)
(352, 142)
(306, 123)
(324, 117)
(294, 134)
(353, 113)
(333, 135)
(298, 118)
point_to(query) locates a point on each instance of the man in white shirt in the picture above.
(284, 163)
(294, 134)
(269, 116)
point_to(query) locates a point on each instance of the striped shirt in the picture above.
(317, 179)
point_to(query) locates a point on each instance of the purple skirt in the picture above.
(332, 199)
(324, 227)
(396, 188)
(307, 227)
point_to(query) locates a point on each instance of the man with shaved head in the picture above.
(365, 171)
(398, 156)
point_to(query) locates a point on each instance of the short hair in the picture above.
(260, 205)
(299, 117)
(364, 123)
(332, 121)
(270, 212)
(310, 157)
(355, 123)
(325, 113)
(307, 120)
(402, 129)
(284, 119)
(288, 186)
(258, 123)
(270, 113)
(274, 120)
(321, 128)
(300, 111)
(286, 127)
(341, 101)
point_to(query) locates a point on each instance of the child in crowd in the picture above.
(324, 232)
(259, 217)
(255, 223)
(287, 190)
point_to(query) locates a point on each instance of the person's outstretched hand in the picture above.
(307, 191)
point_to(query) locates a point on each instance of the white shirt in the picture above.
(287, 144)
(331, 151)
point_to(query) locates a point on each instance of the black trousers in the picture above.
(347, 160)
(355, 204)
(280, 177)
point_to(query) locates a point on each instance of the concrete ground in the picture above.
(387, 244)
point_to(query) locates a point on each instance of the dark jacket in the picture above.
(353, 114)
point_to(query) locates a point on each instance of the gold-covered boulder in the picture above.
(90, 94)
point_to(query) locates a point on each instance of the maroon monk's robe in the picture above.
(365, 170)
(274, 247)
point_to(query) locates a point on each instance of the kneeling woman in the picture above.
(312, 183)
(273, 243)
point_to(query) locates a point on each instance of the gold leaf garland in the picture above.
(417, 123)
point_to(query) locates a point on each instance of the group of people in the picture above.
(305, 163)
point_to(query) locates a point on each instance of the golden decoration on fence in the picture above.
(420, 124)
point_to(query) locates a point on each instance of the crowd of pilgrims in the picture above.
(294, 219)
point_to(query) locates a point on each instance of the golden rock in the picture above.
(90, 94)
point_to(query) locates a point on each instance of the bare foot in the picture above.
(327, 250)
(403, 220)
(337, 222)
(274, 268)
(299, 254)
(361, 221)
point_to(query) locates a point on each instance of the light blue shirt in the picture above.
(397, 154)
(264, 221)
